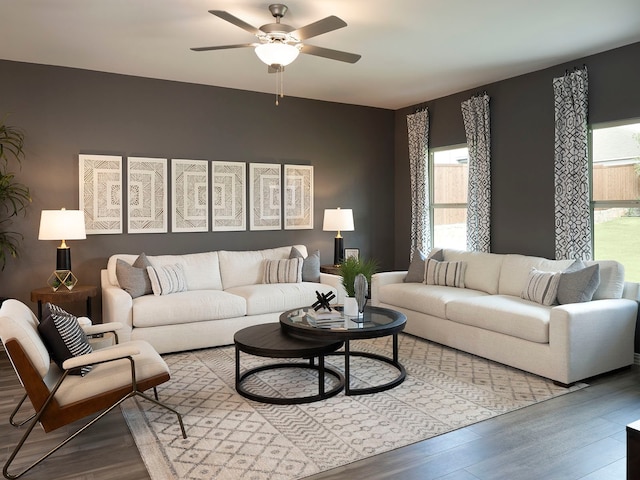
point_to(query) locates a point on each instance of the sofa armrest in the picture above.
(593, 336)
(117, 306)
(334, 281)
(384, 278)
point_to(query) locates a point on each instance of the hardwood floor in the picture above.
(576, 436)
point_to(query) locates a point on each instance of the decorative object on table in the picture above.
(350, 268)
(361, 286)
(351, 252)
(338, 220)
(14, 196)
(62, 225)
(324, 300)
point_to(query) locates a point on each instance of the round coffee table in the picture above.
(376, 322)
(268, 340)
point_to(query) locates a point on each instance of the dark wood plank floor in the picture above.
(576, 436)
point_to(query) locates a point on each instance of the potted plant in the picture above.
(350, 268)
(14, 196)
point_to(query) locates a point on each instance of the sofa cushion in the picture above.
(503, 314)
(515, 269)
(541, 287)
(482, 270)
(445, 274)
(429, 299)
(611, 279)
(310, 265)
(167, 279)
(415, 274)
(283, 271)
(578, 283)
(278, 297)
(134, 279)
(186, 307)
(63, 336)
(247, 267)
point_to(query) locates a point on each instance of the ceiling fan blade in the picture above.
(222, 47)
(318, 28)
(235, 20)
(332, 54)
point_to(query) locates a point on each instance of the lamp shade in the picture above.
(277, 53)
(62, 225)
(338, 219)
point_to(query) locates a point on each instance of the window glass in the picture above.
(615, 195)
(449, 169)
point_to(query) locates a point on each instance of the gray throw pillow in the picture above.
(134, 279)
(310, 265)
(415, 274)
(578, 283)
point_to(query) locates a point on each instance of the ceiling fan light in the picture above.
(277, 53)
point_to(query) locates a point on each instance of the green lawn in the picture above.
(619, 239)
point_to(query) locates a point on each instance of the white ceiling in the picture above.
(412, 50)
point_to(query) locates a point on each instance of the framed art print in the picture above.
(147, 195)
(190, 195)
(228, 196)
(298, 197)
(100, 192)
(265, 196)
(351, 252)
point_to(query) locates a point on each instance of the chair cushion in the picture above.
(61, 333)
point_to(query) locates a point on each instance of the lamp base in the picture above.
(63, 259)
(62, 279)
(338, 251)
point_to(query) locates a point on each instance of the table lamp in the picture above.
(337, 220)
(62, 225)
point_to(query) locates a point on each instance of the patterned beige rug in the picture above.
(234, 438)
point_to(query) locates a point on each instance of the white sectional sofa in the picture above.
(489, 317)
(224, 292)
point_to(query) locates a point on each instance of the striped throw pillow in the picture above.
(167, 279)
(283, 271)
(541, 287)
(446, 274)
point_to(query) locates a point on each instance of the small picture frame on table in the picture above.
(351, 252)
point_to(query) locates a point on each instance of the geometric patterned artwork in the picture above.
(190, 195)
(298, 197)
(228, 196)
(100, 179)
(264, 196)
(147, 186)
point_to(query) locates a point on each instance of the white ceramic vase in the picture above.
(350, 307)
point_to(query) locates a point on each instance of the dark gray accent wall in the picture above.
(522, 143)
(65, 112)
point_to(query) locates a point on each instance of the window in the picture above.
(615, 195)
(449, 174)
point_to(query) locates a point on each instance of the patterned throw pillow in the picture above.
(167, 279)
(541, 287)
(283, 271)
(446, 274)
(63, 337)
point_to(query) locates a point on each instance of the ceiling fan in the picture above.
(279, 44)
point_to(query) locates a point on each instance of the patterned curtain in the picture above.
(475, 113)
(572, 209)
(418, 129)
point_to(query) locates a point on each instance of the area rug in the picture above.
(230, 437)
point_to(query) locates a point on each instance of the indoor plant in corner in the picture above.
(14, 196)
(349, 270)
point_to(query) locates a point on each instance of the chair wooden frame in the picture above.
(51, 415)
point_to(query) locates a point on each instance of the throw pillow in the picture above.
(310, 265)
(541, 287)
(578, 283)
(63, 337)
(446, 274)
(167, 279)
(415, 274)
(134, 279)
(283, 271)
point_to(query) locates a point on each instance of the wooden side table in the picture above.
(333, 269)
(79, 292)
